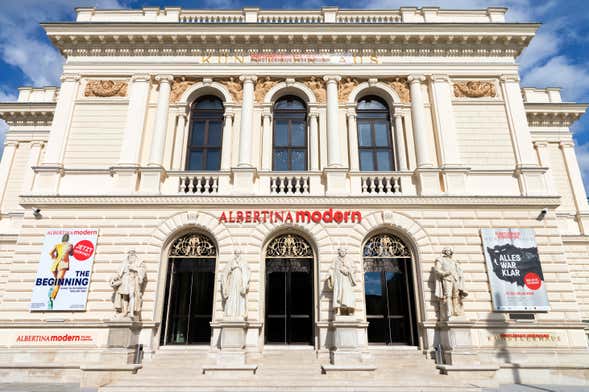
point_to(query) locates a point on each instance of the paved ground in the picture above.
(14, 387)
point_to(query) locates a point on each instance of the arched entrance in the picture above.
(388, 289)
(190, 285)
(289, 291)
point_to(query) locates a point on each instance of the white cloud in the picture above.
(582, 151)
(559, 71)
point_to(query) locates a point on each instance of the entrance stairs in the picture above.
(295, 369)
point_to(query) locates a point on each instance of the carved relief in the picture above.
(105, 88)
(345, 87)
(263, 85)
(179, 86)
(401, 86)
(234, 86)
(317, 85)
(474, 89)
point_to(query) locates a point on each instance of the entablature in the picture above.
(27, 113)
(554, 114)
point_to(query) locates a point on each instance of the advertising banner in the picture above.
(63, 274)
(515, 273)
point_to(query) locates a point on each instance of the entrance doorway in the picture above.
(289, 291)
(388, 287)
(188, 305)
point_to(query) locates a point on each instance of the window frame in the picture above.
(288, 115)
(372, 116)
(208, 116)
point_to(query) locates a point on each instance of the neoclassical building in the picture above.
(273, 142)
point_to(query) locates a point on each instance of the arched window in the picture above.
(289, 150)
(206, 133)
(375, 146)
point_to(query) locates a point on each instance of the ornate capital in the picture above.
(314, 115)
(248, 78)
(10, 143)
(69, 78)
(141, 78)
(332, 78)
(514, 78)
(37, 143)
(164, 78)
(415, 78)
(566, 144)
(267, 114)
(540, 144)
(440, 78)
(228, 115)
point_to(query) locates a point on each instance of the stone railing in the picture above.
(192, 183)
(382, 183)
(289, 185)
(216, 16)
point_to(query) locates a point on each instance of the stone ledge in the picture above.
(347, 368)
(472, 368)
(215, 369)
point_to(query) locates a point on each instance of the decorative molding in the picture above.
(475, 89)
(262, 87)
(106, 88)
(234, 86)
(345, 87)
(317, 86)
(290, 246)
(179, 85)
(193, 245)
(401, 86)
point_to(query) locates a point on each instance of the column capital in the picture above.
(182, 115)
(164, 78)
(443, 78)
(398, 114)
(37, 143)
(268, 114)
(514, 78)
(69, 78)
(415, 78)
(540, 144)
(332, 78)
(10, 143)
(140, 78)
(314, 114)
(351, 113)
(566, 144)
(229, 114)
(248, 78)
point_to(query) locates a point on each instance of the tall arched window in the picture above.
(289, 149)
(375, 146)
(206, 133)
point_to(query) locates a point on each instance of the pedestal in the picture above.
(47, 181)
(231, 356)
(125, 179)
(532, 180)
(428, 181)
(335, 181)
(455, 179)
(151, 180)
(244, 180)
(347, 353)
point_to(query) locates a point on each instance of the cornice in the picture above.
(284, 202)
(554, 114)
(27, 113)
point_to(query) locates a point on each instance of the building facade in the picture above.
(279, 141)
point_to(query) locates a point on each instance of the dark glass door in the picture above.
(289, 301)
(389, 302)
(189, 301)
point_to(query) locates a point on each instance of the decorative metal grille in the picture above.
(385, 246)
(193, 245)
(289, 246)
(286, 265)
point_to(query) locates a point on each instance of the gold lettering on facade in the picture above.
(105, 88)
(346, 85)
(401, 86)
(318, 87)
(474, 89)
(179, 86)
(263, 85)
(234, 86)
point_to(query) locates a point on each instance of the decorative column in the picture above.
(577, 187)
(245, 172)
(29, 173)
(314, 141)
(427, 176)
(125, 173)
(151, 178)
(335, 172)
(544, 159)
(52, 167)
(267, 141)
(5, 166)
(227, 145)
(401, 151)
(453, 173)
(180, 141)
(531, 176)
(353, 140)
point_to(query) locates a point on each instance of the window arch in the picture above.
(375, 145)
(289, 141)
(206, 134)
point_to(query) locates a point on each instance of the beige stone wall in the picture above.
(577, 257)
(15, 179)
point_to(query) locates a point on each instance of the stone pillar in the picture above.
(531, 177)
(353, 140)
(227, 145)
(151, 178)
(577, 187)
(29, 174)
(400, 149)
(427, 176)
(333, 135)
(247, 111)
(52, 166)
(5, 166)
(180, 141)
(125, 173)
(544, 158)
(453, 173)
(314, 141)
(267, 141)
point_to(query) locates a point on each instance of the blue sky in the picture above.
(557, 57)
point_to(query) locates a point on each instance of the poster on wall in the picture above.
(65, 266)
(515, 272)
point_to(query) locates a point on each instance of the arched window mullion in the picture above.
(375, 143)
(289, 135)
(206, 134)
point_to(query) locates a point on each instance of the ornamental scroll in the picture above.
(474, 89)
(105, 88)
(193, 245)
(290, 246)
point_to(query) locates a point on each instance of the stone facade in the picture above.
(107, 150)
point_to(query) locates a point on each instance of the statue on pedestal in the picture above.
(341, 280)
(128, 285)
(449, 288)
(234, 287)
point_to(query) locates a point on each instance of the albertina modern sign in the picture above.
(298, 216)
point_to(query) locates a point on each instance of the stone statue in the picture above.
(449, 288)
(128, 285)
(234, 287)
(341, 280)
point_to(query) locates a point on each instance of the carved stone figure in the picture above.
(105, 88)
(262, 87)
(178, 88)
(474, 89)
(401, 86)
(234, 287)
(449, 288)
(345, 88)
(341, 280)
(128, 285)
(318, 87)
(234, 86)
